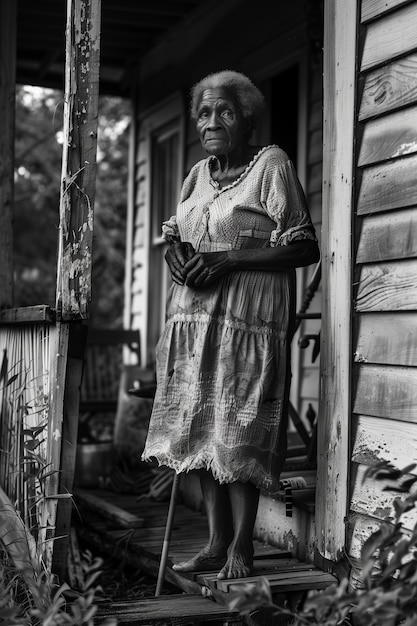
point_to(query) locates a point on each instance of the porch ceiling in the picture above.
(129, 29)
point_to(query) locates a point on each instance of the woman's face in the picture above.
(219, 123)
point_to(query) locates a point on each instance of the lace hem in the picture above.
(250, 473)
(294, 234)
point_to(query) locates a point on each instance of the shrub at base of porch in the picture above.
(387, 591)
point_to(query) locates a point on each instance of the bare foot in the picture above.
(238, 565)
(206, 560)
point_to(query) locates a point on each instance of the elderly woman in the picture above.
(223, 370)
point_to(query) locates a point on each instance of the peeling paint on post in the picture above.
(78, 159)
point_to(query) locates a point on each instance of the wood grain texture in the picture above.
(377, 439)
(28, 314)
(386, 339)
(385, 391)
(387, 287)
(374, 498)
(340, 20)
(389, 87)
(390, 36)
(78, 176)
(388, 186)
(374, 8)
(389, 137)
(387, 236)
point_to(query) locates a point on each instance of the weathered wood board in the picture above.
(388, 186)
(387, 287)
(387, 236)
(373, 8)
(386, 338)
(389, 137)
(390, 36)
(385, 391)
(377, 440)
(389, 87)
(373, 498)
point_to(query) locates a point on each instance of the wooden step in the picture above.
(178, 609)
(286, 576)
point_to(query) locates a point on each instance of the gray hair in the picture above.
(249, 98)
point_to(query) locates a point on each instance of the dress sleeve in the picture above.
(170, 230)
(284, 201)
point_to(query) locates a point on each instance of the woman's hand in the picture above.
(204, 268)
(177, 256)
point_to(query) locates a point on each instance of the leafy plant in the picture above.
(387, 593)
(29, 596)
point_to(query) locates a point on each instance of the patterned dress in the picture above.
(223, 357)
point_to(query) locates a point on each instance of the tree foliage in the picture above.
(38, 155)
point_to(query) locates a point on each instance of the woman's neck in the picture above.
(226, 168)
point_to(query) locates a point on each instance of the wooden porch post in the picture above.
(79, 159)
(75, 243)
(340, 24)
(7, 125)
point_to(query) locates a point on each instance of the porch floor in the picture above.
(136, 527)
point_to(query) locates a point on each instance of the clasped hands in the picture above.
(195, 269)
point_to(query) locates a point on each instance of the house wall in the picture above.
(384, 372)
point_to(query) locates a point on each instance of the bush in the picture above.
(29, 595)
(387, 593)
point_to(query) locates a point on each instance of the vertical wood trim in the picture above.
(7, 127)
(58, 364)
(340, 22)
(79, 158)
(131, 187)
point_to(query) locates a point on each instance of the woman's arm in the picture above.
(205, 268)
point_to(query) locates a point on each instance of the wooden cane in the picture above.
(167, 536)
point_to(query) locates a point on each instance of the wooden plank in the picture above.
(28, 314)
(58, 360)
(386, 339)
(109, 511)
(388, 186)
(389, 87)
(374, 8)
(387, 287)
(387, 236)
(389, 137)
(387, 391)
(360, 527)
(340, 22)
(377, 439)
(8, 13)
(79, 164)
(390, 36)
(280, 582)
(374, 498)
(180, 609)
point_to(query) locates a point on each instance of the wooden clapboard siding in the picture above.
(388, 186)
(387, 236)
(389, 137)
(377, 440)
(387, 338)
(389, 87)
(374, 498)
(375, 8)
(393, 35)
(388, 286)
(384, 371)
(385, 391)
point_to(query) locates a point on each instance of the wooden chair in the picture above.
(103, 363)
